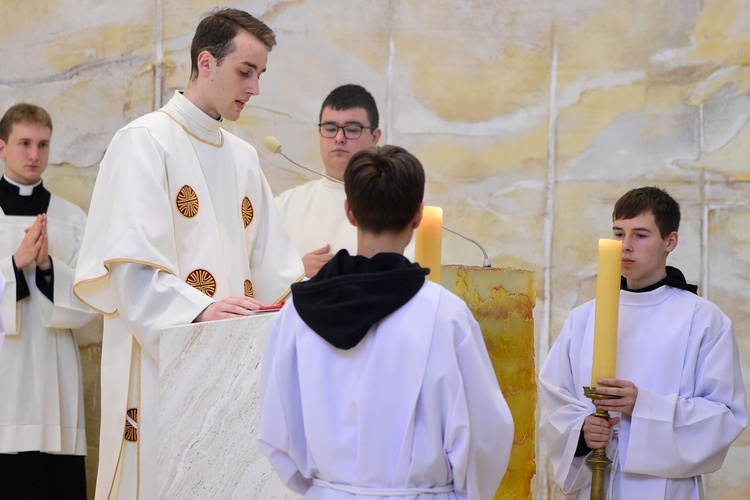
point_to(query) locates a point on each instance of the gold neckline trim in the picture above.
(191, 134)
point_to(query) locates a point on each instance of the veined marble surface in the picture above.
(531, 118)
(209, 375)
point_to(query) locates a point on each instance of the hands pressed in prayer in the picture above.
(314, 260)
(626, 393)
(596, 431)
(42, 258)
(229, 307)
(33, 247)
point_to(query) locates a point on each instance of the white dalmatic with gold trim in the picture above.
(181, 216)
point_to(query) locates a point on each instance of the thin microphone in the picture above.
(274, 146)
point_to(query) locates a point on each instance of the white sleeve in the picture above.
(66, 311)
(678, 436)
(563, 411)
(8, 304)
(149, 300)
(281, 436)
(274, 261)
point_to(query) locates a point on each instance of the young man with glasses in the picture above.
(313, 213)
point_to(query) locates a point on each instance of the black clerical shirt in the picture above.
(13, 203)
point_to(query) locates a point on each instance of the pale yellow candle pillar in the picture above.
(429, 241)
(606, 310)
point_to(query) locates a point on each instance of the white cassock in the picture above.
(680, 351)
(314, 216)
(414, 407)
(181, 216)
(42, 392)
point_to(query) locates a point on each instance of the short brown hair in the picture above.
(384, 187)
(638, 201)
(216, 32)
(23, 113)
(352, 96)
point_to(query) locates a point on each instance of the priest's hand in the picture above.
(626, 393)
(30, 245)
(42, 258)
(316, 259)
(228, 307)
(596, 431)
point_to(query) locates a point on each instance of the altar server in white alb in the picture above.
(313, 213)
(681, 397)
(376, 382)
(42, 425)
(183, 227)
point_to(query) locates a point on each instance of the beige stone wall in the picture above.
(531, 117)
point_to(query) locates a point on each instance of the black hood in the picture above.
(674, 278)
(351, 293)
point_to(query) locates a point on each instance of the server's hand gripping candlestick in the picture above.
(606, 313)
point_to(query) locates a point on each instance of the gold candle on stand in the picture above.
(606, 311)
(428, 241)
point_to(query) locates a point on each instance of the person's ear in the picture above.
(205, 61)
(376, 136)
(672, 240)
(2, 149)
(418, 216)
(349, 214)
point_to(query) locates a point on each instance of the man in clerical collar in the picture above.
(42, 443)
(679, 399)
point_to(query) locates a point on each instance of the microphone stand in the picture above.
(281, 152)
(278, 150)
(486, 262)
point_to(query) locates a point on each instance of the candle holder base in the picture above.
(598, 459)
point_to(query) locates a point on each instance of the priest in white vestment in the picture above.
(376, 382)
(313, 213)
(42, 424)
(681, 395)
(183, 227)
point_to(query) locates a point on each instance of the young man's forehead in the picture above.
(28, 128)
(644, 221)
(348, 112)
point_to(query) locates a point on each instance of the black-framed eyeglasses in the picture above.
(329, 130)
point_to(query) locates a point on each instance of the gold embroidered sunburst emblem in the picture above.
(247, 211)
(187, 202)
(131, 425)
(202, 280)
(248, 288)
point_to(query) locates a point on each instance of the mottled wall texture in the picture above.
(531, 117)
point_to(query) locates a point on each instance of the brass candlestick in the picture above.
(598, 460)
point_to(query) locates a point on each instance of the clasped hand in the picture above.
(34, 247)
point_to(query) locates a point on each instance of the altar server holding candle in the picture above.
(680, 396)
